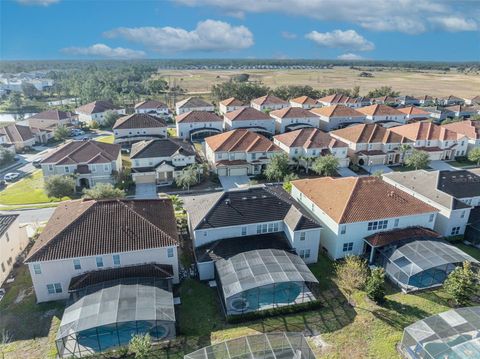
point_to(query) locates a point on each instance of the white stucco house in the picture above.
(382, 113)
(268, 103)
(51, 119)
(470, 129)
(293, 118)
(19, 136)
(229, 105)
(251, 119)
(193, 104)
(304, 102)
(96, 111)
(337, 116)
(152, 107)
(13, 241)
(138, 127)
(195, 125)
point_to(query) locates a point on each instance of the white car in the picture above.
(77, 132)
(12, 176)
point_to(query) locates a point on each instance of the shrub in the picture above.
(352, 274)
(375, 286)
(103, 191)
(59, 186)
(141, 346)
(461, 284)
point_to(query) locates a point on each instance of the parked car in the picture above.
(77, 132)
(12, 176)
(36, 162)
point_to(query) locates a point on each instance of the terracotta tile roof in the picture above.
(379, 110)
(425, 131)
(292, 112)
(468, 128)
(232, 101)
(198, 116)
(360, 199)
(80, 152)
(247, 114)
(17, 133)
(96, 107)
(304, 100)
(193, 102)
(86, 228)
(396, 235)
(139, 120)
(367, 133)
(309, 138)
(241, 140)
(269, 99)
(337, 111)
(149, 104)
(165, 147)
(52, 115)
(413, 110)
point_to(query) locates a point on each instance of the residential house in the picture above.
(408, 101)
(462, 184)
(472, 100)
(385, 100)
(470, 129)
(429, 187)
(382, 113)
(293, 118)
(21, 137)
(304, 102)
(337, 99)
(91, 162)
(438, 113)
(160, 161)
(96, 111)
(239, 152)
(13, 241)
(461, 111)
(268, 103)
(193, 104)
(51, 119)
(152, 107)
(311, 143)
(426, 100)
(198, 124)
(450, 101)
(337, 116)
(352, 208)
(138, 127)
(249, 118)
(89, 236)
(413, 113)
(223, 224)
(229, 105)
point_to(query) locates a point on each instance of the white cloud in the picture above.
(454, 23)
(102, 50)
(350, 56)
(209, 35)
(407, 16)
(37, 2)
(348, 39)
(288, 35)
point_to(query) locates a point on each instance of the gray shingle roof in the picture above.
(78, 152)
(6, 221)
(139, 120)
(165, 147)
(459, 184)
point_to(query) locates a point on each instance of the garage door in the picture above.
(222, 171)
(237, 171)
(145, 179)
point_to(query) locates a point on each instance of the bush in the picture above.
(352, 274)
(59, 186)
(6, 156)
(61, 133)
(141, 346)
(375, 286)
(461, 284)
(103, 191)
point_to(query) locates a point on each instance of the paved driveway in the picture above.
(229, 182)
(146, 190)
(375, 168)
(441, 166)
(346, 172)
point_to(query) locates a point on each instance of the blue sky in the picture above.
(443, 30)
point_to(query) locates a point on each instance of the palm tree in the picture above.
(404, 148)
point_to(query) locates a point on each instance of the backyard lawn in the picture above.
(28, 190)
(106, 139)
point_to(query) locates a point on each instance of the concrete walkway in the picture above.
(230, 182)
(442, 166)
(145, 190)
(346, 172)
(375, 168)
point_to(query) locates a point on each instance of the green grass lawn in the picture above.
(28, 190)
(106, 139)
(172, 132)
(463, 163)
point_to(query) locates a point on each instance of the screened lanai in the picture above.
(421, 264)
(260, 346)
(454, 334)
(263, 279)
(108, 314)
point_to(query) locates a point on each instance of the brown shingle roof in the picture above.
(469, 128)
(337, 98)
(292, 112)
(17, 133)
(96, 107)
(360, 199)
(425, 131)
(52, 115)
(198, 116)
(337, 111)
(367, 133)
(309, 138)
(247, 114)
(193, 102)
(147, 104)
(86, 228)
(269, 99)
(396, 235)
(80, 152)
(304, 100)
(139, 120)
(379, 110)
(412, 110)
(241, 140)
(232, 101)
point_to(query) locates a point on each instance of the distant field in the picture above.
(415, 83)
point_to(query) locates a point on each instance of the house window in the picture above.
(137, 163)
(455, 231)
(270, 227)
(462, 215)
(105, 167)
(116, 259)
(373, 226)
(254, 156)
(432, 216)
(313, 207)
(170, 252)
(343, 229)
(302, 236)
(348, 247)
(50, 167)
(76, 264)
(99, 262)
(275, 227)
(244, 231)
(397, 220)
(307, 253)
(7, 237)
(94, 168)
(54, 288)
(259, 228)
(3, 267)
(264, 228)
(37, 269)
(67, 169)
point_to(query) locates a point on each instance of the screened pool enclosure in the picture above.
(454, 334)
(107, 315)
(421, 264)
(259, 346)
(263, 279)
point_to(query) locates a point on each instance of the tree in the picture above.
(461, 284)
(103, 191)
(351, 274)
(15, 100)
(110, 118)
(59, 186)
(156, 86)
(277, 168)
(326, 165)
(141, 346)
(29, 90)
(293, 91)
(6, 156)
(474, 155)
(188, 177)
(61, 133)
(383, 91)
(244, 91)
(404, 148)
(177, 202)
(375, 286)
(287, 181)
(356, 91)
(418, 159)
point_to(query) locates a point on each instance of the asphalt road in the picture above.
(32, 215)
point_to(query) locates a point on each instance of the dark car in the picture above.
(36, 162)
